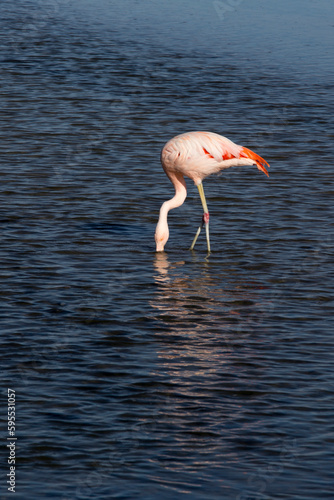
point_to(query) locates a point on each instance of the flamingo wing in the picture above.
(220, 148)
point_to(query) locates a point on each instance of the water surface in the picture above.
(143, 375)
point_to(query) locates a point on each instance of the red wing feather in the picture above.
(207, 153)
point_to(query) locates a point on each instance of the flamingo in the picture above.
(197, 155)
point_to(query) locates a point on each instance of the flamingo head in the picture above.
(161, 236)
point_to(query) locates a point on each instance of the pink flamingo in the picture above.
(197, 155)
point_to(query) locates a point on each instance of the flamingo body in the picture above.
(197, 155)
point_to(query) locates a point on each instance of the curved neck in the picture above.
(179, 197)
(162, 232)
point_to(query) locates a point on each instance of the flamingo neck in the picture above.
(177, 200)
(162, 231)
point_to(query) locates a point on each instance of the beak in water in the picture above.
(161, 238)
(160, 247)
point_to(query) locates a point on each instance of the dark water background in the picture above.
(146, 376)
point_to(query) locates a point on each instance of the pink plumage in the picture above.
(197, 155)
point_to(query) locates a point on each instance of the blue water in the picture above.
(159, 376)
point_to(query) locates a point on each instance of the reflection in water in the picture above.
(210, 319)
(200, 297)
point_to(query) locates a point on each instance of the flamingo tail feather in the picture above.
(260, 162)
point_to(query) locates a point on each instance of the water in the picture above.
(141, 375)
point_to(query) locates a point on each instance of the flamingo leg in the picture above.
(205, 219)
(196, 235)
